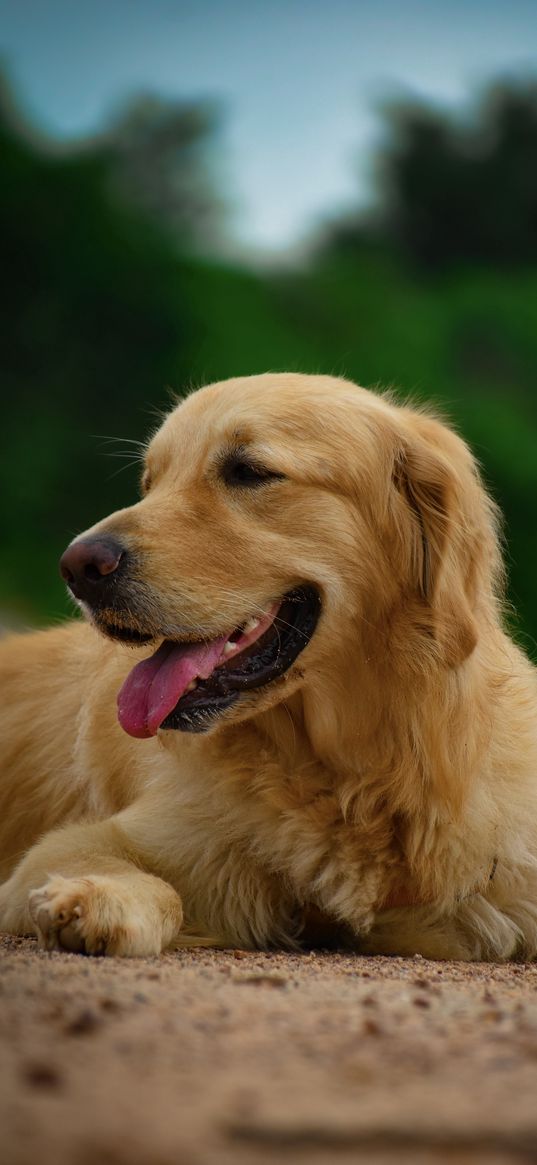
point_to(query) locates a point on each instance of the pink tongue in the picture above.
(155, 685)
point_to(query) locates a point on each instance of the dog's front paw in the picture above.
(100, 916)
(65, 913)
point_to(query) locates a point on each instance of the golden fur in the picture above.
(387, 781)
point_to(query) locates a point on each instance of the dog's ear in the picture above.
(424, 484)
(444, 525)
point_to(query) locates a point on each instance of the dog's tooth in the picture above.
(229, 647)
(193, 684)
(250, 625)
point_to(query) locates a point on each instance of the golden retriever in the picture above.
(320, 720)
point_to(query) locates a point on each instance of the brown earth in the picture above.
(207, 1056)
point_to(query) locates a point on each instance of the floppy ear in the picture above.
(440, 555)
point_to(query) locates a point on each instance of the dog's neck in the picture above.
(393, 739)
(372, 769)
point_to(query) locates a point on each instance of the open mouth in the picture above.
(123, 634)
(187, 686)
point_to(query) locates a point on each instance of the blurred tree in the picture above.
(95, 326)
(455, 191)
(160, 161)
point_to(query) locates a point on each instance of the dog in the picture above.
(291, 709)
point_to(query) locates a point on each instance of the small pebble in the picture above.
(85, 1022)
(40, 1075)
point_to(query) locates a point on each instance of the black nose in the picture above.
(88, 564)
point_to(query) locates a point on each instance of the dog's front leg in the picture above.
(82, 888)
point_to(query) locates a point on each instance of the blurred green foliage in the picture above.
(105, 309)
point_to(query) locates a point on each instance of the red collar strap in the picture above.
(401, 896)
(320, 930)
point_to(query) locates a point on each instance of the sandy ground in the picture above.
(205, 1056)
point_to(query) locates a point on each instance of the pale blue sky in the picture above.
(299, 80)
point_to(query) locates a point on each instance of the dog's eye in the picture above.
(238, 471)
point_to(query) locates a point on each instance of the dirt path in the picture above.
(205, 1056)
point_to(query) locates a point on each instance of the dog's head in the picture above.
(292, 529)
